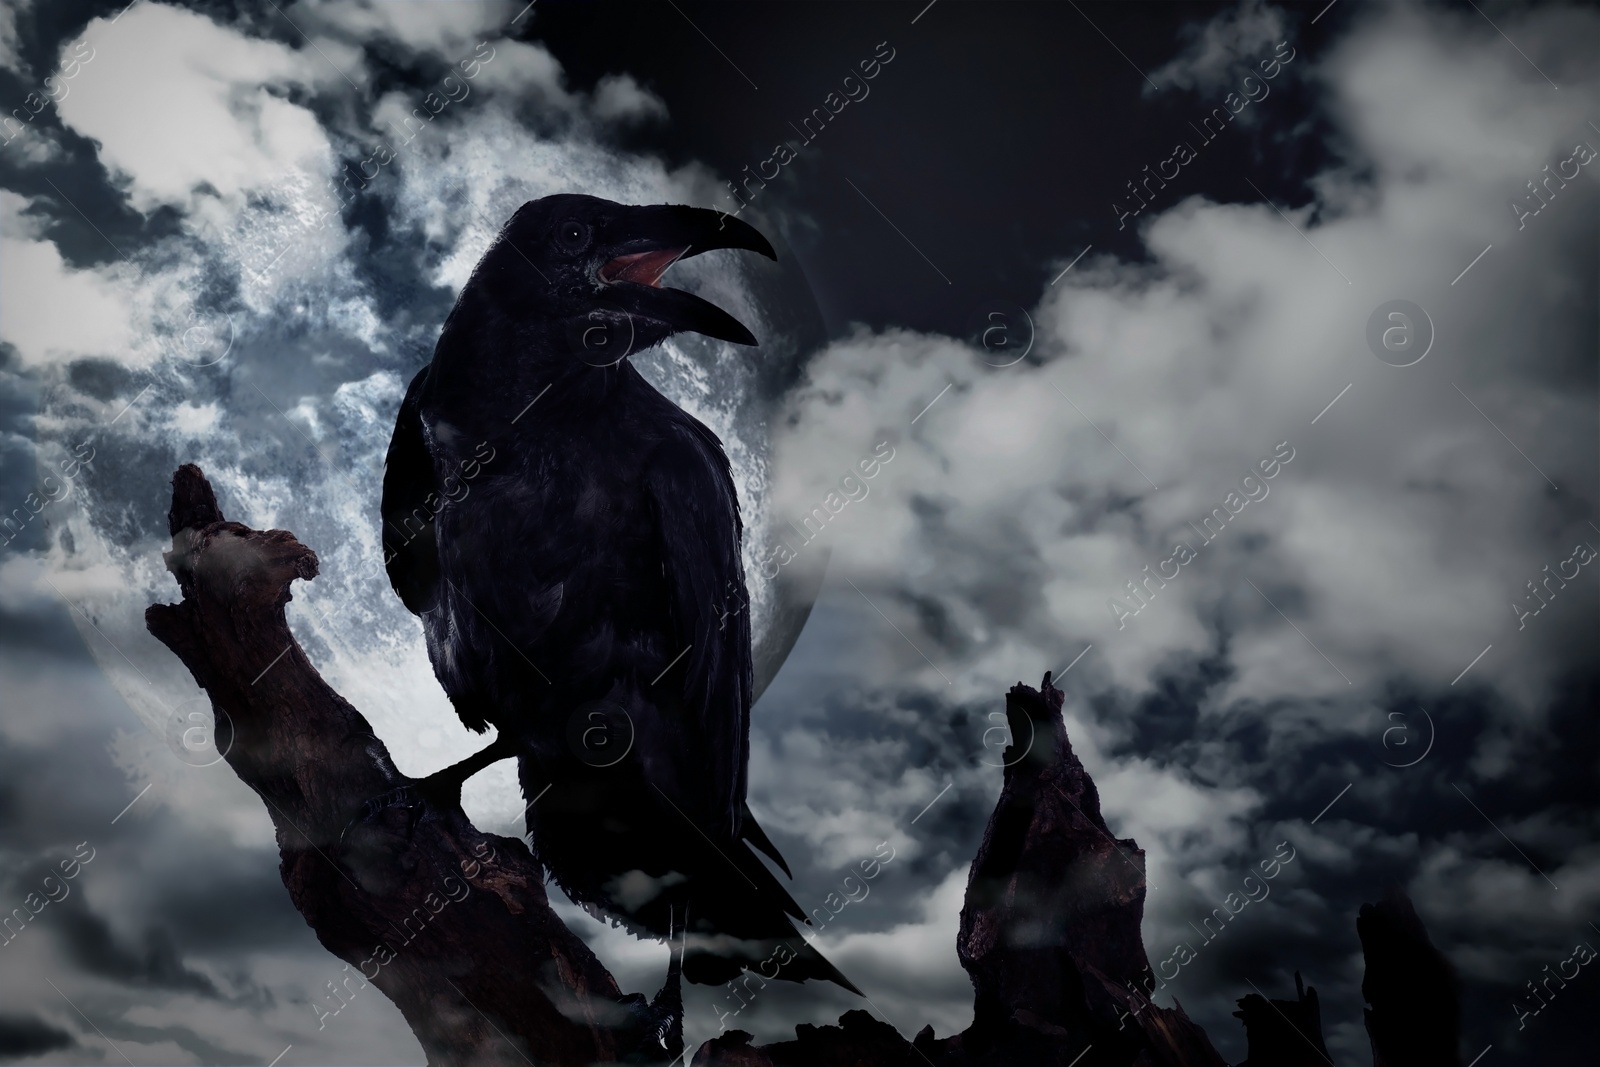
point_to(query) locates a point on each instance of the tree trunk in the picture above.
(451, 924)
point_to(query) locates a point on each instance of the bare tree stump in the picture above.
(451, 924)
(1050, 933)
(1284, 1033)
(1049, 936)
(1415, 1018)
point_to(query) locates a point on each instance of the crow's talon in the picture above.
(403, 797)
(414, 798)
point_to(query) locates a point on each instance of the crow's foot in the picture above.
(660, 1023)
(439, 791)
(668, 1005)
(398, 811)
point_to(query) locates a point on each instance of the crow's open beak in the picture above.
(642, 242)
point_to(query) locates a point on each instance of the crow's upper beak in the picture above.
(640, 243)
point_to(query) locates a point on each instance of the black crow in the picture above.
(570, 539)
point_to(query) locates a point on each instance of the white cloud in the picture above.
(938, 991)
(528, 69)
(831, 791)
(1393, 539)
(51, 311)
(22, 584)
(1399, 533)
(618, 98)
(35, 145)
(443, 28)
(248, 173)
(10, 57)
(1223, 50)
(1500, 911)
(179, 104)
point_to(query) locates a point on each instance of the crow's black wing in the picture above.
(697, 512)
(410, 502)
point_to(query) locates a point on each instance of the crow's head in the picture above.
(590, 270)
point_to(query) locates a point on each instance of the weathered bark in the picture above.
(453, 925)
(1050, 932)
(1049, 935)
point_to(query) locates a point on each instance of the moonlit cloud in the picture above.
(428, 29)
(215, 119)
(1383, 555)
(1218, 54)
(252, 338)
(54, 311)
(9, 39)
(259, 325)
(1215, 356)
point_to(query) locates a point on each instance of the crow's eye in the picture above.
(572, 233)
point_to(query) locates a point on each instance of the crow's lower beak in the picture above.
(642, 242)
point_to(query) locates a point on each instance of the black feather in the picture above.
(570, 539)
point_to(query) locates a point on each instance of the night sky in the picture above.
(1083, 321)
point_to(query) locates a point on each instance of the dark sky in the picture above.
(999, 135)
(987, 157)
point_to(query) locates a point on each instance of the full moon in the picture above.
(284, 391)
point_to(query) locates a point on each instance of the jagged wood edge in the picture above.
(451, 924)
